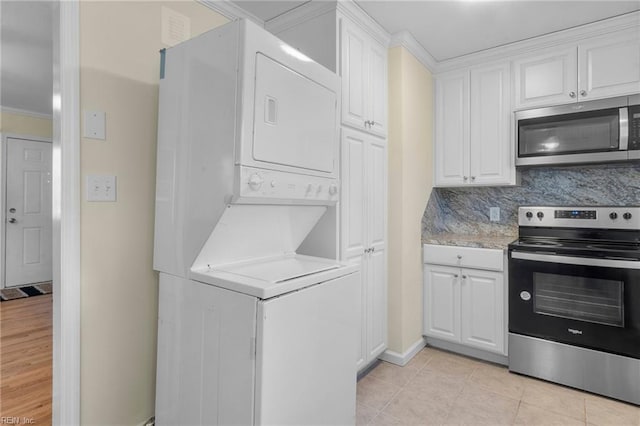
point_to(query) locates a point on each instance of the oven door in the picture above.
(587, 302)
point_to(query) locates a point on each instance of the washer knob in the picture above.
(627, 215)
(529, 215)
(333, 189)
(255, 181)
(540, 215)
(613, 215)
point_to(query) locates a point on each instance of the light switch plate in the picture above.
(94, 125)
(494, 214)
(101, 188)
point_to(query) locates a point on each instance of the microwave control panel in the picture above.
(634, 127)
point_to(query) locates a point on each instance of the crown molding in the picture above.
(408, 41)
(629, 21)
(32, 114)
(230, 10)
(351, 10)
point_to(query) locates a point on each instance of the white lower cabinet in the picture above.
(461, 304)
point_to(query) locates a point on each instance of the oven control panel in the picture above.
(575, 214)
(614, 217)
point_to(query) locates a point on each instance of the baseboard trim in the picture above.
(467, 351)
(402, 359)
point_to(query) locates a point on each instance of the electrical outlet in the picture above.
(101, 188)
(494, 214)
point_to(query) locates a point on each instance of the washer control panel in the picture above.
(270, 184)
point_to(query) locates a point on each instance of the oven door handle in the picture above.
(570, 260)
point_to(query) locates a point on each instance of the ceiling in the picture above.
(26, 43)
(447, 29)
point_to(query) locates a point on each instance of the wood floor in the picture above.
(26, 332)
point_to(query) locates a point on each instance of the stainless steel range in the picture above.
(574, 298)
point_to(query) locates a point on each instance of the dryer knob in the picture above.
(255, 181)
(333, 189)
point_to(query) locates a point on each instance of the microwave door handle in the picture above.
(624, 129)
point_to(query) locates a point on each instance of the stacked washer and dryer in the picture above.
(249, 330)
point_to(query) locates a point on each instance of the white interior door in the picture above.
(28, 243)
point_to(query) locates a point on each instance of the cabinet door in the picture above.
(376, 303)
(452, 129)
(354, 69)
(376, 184)
(547, 79)
(609, 67)
(483, 309)
(361, 343)
(491, 160)
(353, 201)
(442, 302)
(377, 93)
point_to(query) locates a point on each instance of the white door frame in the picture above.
(3, 195)
(66, 212)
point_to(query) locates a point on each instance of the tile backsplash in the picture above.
(466, 210)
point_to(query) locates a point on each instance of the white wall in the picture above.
(119, 59)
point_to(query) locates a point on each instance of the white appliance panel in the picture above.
(206, 362)
(289, 128)
(246, 232)
(290, 390)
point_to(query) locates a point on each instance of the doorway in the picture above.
(27, 232)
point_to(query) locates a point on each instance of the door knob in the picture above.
(13, 220)
(12, 210)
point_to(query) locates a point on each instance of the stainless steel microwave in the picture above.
(587, 132)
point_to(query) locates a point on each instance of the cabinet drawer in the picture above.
(464, 257)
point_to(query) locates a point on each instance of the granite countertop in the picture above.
(465, 240)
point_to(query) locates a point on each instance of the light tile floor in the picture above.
(438, 387)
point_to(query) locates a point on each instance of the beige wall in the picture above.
(119, 44)
(410, 184)
(25, 125)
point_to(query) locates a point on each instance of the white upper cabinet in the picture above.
(546, 79)
(473, 127)
(364, 80)
(609, 67)
(596, 68)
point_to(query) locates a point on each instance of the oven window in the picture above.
(586, 299)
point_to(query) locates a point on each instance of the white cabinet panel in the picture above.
(473, 127)
(353, 193)
(546, 79)
(361, 312)
(483, 309)
(490, 141)
(452, 128)
(609, 67)
(377, 303)
(354, 76)
(442, 302)
(363, 229)
(364, 80)
(378, 89)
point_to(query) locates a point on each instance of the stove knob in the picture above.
(529, 215)
(613, 215)
(627, 215)
(540, 215)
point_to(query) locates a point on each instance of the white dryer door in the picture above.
(294, 119)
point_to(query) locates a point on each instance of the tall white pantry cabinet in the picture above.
(343, 38)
